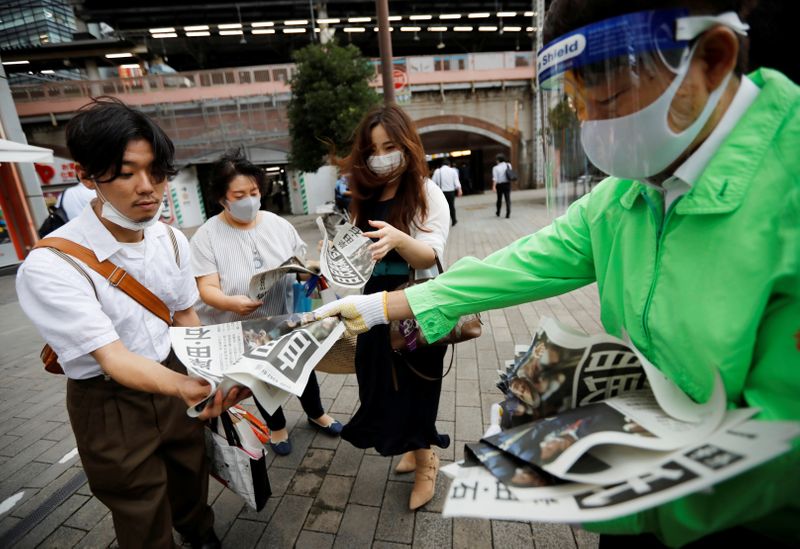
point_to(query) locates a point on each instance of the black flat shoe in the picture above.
(207, 541)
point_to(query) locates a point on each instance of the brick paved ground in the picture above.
(326, 493)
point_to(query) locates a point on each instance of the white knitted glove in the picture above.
(359, 312)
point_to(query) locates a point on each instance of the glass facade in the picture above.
(26, 23)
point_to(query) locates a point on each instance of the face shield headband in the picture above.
(626, 36)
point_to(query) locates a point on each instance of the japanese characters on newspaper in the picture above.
(593, 431)
(272, 356)
(345, 260)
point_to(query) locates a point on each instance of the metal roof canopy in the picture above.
(193, 53)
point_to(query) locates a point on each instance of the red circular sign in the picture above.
(400, 79)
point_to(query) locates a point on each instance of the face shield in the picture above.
(611, 99)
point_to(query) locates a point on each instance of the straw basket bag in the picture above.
(341, 359)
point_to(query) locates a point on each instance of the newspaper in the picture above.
(734, 448)
(261, 283)
(583, 412)
(345, 259)
(272, 356)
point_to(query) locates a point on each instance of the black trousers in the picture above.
(503, 190)
(309, 400)
(145, 460)
(451, 203)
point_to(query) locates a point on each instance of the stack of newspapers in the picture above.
(589, 430)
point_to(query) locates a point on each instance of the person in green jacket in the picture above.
(693, 240)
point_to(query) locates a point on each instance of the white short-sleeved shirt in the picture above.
(74, 321)
(236, 255)
(75, 199)
(499, 172)
(447, 178)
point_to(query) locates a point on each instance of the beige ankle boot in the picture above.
(424, 481)
(406, 464)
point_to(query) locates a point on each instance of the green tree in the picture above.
(330, 94)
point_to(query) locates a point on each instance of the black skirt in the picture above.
(398, 408)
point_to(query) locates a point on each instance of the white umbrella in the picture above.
(11, 151)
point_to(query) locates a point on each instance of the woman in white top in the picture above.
(399, 207)
(228, 250)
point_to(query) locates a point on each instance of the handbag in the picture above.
(115, 275)
(341, 358)
(511, 175)
(242, 469)
(406, 336)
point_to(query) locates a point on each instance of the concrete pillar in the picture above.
(93, 75)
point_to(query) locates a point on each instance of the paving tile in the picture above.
(243, 534)
(286, 522)
(335, 492)
(550, 535)
(370, 481)
(305, 483)
(396, 521)
(314, 540)
(63, 536)
(357, 528)
(316, 460)
(472, 533)
(88, 516)
(432, 531)
(511, 534)
(346, 460)
(51, 522)
(101, 535)
(321, 519)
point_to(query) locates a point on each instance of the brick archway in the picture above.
(454, 122)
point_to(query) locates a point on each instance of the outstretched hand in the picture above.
(358, 312)
(388, 237)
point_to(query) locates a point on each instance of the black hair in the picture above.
(500, 158)
(99, 134)
(445, 162)
(565, 16)
(225, 170)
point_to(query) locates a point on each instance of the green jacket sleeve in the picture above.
(764, 498)
(552, 261)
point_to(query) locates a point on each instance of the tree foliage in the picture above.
(330, 94)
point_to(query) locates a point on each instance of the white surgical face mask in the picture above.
(245, 209)
(640, 145)
(385, 163)
(112, 214)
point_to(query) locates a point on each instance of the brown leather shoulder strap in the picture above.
(116, 276)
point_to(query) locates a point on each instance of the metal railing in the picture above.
(275, 78)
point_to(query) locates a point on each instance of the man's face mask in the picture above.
(614, 84)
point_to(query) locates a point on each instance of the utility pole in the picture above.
(385, 42)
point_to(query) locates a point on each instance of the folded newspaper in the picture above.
(261, 283)
(593, 431)
(345, 259)
(273, 356)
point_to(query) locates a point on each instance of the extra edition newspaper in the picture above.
(345, 259)
(272, 356)
(592, 430)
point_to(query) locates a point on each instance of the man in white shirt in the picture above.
(501, 184)
(75, 199)
(446, 177)
(126, 393)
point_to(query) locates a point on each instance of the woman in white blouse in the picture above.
(228, 250)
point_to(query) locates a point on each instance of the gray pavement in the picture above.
(326, 493)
